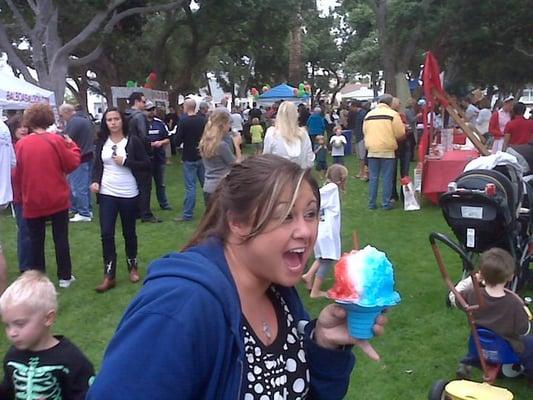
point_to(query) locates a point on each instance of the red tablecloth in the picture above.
(436, 174)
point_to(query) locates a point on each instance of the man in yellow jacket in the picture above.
(382, 128)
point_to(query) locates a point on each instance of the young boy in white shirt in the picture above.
(337, 141)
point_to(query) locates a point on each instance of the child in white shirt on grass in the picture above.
(328, 242)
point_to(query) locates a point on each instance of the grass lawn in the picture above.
(424, 340)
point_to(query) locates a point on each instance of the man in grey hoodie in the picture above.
(138, 125)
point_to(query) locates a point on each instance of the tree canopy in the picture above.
(248, 43)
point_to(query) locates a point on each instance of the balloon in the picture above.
(308, 88)
(131, 84)
(254, 91)
(265, 88)
(152, 77)
(295, 91)
(301, 87)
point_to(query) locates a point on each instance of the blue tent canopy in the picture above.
(281, 92)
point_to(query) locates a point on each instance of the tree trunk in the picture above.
(387, 54)
(83, 88)
(375, 82)
(295, 51)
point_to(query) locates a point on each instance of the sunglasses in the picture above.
(114, 148)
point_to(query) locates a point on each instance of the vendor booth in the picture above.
(17, 94)
(443, 153)
(120, 94)
(282, 92)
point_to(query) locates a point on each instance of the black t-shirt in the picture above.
(279, 370)
(190, 131)
(61, 372)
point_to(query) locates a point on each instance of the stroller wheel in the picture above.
(512, 370)
(437, 391)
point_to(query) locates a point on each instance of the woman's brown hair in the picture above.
(251, 193)
(38, 116)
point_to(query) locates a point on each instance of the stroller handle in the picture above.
(452, 245)
(433, 237)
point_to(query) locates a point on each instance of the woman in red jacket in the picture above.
(43, 160)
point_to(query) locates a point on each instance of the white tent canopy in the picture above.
(16, 94)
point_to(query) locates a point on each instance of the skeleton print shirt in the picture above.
(59, 373)
(278, 371)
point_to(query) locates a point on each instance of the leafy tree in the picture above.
(47, 36)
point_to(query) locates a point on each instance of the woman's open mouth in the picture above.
(294, 259)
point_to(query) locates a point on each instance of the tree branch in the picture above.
(33, 5)
(89, 58)
(89, 29)
(140, 10)
(12, 56)
(18, 16)
(99, 18)
(74, 91)
(522, 51)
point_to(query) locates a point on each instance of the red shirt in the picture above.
(520, 129)
(43, 160)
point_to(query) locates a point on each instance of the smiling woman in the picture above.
(222, 319)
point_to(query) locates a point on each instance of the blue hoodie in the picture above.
(181, 337)
(316, 124)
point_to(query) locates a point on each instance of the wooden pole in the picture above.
(454, 114)
(355, 241)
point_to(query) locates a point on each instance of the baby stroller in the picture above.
(488, 208)
(486, 350)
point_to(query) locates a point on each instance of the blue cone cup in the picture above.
(361, 320)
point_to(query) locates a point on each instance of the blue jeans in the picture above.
(383, 167)
(191, 171)
(158, 172)
(24, 252)
(79, 181)
(110, 208)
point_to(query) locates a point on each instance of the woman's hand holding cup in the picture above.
(331, 331)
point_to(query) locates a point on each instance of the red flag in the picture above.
(431, 83)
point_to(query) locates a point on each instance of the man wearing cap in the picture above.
(498, 121)
(158, 138)
(382, 128)
(138, 126)
(519, 130)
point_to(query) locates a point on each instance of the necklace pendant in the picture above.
(267, 330)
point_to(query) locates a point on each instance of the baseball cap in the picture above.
(149, 105)
(508, 98)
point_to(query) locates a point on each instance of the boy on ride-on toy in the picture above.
(503, 311)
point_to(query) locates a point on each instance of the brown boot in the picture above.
(107, 284)
(133, 269)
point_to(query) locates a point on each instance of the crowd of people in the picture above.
(265, 216)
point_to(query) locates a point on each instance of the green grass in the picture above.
(423, 342)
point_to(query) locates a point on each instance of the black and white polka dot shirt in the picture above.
(278, 371)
